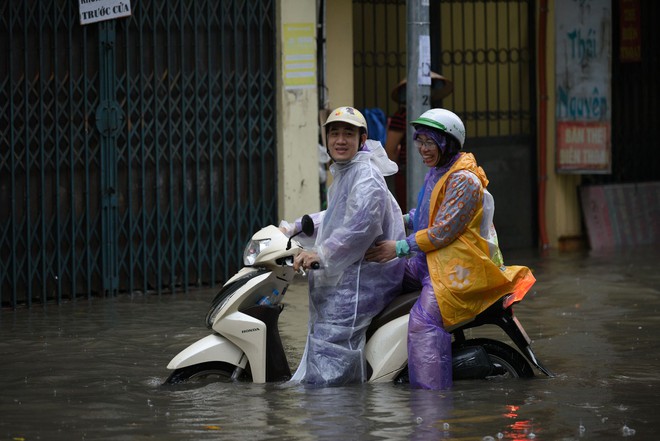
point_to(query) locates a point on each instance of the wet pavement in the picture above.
(92, 370)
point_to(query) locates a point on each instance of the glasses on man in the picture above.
(428, 144)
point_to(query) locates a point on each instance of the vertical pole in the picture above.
(108, 121)
(418, 87)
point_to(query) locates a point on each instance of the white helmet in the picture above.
(349, 115)
(443, 120)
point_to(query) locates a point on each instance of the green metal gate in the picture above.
(136, 154)
(486, 47)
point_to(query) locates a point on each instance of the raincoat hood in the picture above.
(466, 161)
(372, 151)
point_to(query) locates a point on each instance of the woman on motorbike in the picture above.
(454, 253)
(346, 292)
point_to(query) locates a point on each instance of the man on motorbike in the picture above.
(346, 292)
(454, 251)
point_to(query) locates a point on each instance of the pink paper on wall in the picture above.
(622, 214)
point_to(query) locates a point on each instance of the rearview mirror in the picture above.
(307, 225)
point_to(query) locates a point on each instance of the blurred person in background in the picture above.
(395, 141)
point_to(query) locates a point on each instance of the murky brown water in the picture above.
(93, 370)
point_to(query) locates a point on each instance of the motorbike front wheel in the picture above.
(507, 362)
(213, 371)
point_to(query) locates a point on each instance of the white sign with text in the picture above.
(92, 11)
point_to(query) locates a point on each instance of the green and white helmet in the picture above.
(443, 120)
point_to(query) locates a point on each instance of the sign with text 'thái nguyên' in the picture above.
(583, 86)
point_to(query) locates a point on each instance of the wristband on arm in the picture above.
(402, 248)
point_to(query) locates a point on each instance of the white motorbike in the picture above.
(245, 342)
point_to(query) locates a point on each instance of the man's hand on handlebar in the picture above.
(306, 260)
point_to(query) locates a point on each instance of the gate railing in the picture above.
(484, 46)
(136, 155)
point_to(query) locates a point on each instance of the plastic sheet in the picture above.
(347, 291)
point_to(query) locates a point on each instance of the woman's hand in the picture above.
(305, 260)
(383, 251)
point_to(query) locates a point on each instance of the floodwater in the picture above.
(92, 370)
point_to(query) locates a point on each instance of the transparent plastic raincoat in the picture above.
(347, 291)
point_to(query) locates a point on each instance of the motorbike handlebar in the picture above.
(302, 272)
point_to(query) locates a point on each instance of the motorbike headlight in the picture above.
(252, 250)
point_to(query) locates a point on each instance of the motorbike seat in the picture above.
(398, 307)
(403, 303)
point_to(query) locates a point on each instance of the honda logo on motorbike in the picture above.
(250, 330)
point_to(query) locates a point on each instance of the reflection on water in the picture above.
(94, 369)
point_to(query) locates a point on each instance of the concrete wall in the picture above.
(299, 126)
(297, 120)
(563, 217)
(339, 51)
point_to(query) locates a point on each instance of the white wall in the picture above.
(297, 121)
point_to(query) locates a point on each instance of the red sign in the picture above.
(583, 146)
(631, 31)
